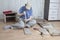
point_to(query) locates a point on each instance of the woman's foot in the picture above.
(36, 28)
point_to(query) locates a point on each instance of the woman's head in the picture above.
(28, 6)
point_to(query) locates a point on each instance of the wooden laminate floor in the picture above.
(19, 34)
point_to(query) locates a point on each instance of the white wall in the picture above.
(3, 6)
(14, 5)
(37, 5)
(38, 8)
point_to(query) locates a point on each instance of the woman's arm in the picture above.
(28, 19)
(20, 14)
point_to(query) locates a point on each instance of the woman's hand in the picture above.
(26, 20)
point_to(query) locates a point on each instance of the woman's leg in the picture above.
(19, 24)
(31, 23)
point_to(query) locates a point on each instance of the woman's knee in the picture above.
(32, 22)
(21, 24)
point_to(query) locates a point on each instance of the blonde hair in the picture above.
(28, 4)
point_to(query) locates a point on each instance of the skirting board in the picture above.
(52, 20)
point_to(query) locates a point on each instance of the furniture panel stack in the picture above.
(53, 9)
